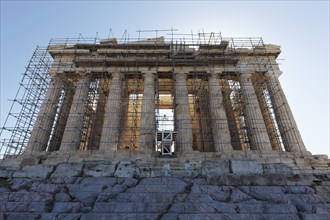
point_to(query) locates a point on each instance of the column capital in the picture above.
(245, 74)
(272, 73)
(181, 75)
(245, 68)
(149, 73)
(180, 70)
(213, 74)
(217, 70)
(117, 74)
(84, 73)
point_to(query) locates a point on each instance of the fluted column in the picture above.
(259, 87)
(184, 138)
(56, 139)
(97, 122)
(287, 125)
(45, 120)
(220, 130)
(256, 126)
(232, 121)
(73, 130)
(147, 128)
(110, 130)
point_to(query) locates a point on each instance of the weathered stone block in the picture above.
(168, 188)
(277, 168)
(302, 179)
(262, 189)
(63, 180)
(199, 198)
(238, 216)
(125, 169)
(65, 216)
(239, 196)
(25, 196)
(142, 197)
(18, 183)
(308, 216)
(45, 187)
(166, 170)
(324, 192)
(321, 208)
(67, 207)
(266, 196)
(29, 161)
(265, 208)
(192, 169)
(86, 194)
(135, 216)
(62, 197)
(104, 181)
(243, 180)
(7, 172)
(305, 199)
(214, 168)
(227, 180)
(162, 181)
(68, 170)
(22, 216)
(32, 207)
(208, 189)
(110, 195)
(144, 172)
(34, 171)
(115, 207)
(200, 181)
(99, 169)
(299, 190)
(196, 208)
(170, 216)
(245, 167)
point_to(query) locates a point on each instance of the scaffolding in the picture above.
(26, 104)
(198, 51)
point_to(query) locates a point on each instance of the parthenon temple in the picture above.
(163, 96)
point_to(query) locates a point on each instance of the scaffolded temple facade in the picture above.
(167, 96)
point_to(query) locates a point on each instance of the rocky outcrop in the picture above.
(220, 189)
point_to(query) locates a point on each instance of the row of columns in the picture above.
(258, 135)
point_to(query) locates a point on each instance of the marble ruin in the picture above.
(159, 128)
(161, 96)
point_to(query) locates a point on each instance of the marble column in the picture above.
(220, 130)
(73, 130)
(256, 126)
(43, 126)
(184, 138)
(287, 125)
(147, 127)
(97, 122)
(56, 139)
(205, 120)
(273, 135)
(233, 126)
(110, 130)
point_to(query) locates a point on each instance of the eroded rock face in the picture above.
(105, 190)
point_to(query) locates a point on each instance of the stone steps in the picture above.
(167, 216)
(231, 216)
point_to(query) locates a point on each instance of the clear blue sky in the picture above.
(300, 27)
